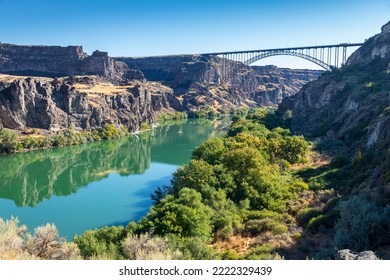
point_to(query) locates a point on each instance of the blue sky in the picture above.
(156, 27)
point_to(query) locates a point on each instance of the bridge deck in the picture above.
(286, 49)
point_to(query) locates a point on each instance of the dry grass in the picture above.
(241, 245)
(103, 88)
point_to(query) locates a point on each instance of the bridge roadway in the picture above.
(326, 56)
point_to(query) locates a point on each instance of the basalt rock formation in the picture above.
(53, 87)
(348, 112)
(351, 104)
(83, 102)
(200, 80)
(55, 61)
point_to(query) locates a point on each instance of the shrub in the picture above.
(30, 142)
(104, 242)
(306, 214)
(146, 247)
(9, 141)
(46, 244)
(263, 252)
(144, 126)
(230, 255)
(184, 216)
(362, 225)
(192, 248)
(17, 243)
(255, 227)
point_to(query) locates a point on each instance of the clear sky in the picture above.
(158, 27)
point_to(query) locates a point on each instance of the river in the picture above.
(93, 185)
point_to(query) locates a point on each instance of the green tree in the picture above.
(101, 243)
(210, 151)
(295, 149)
(184, 216)
(197, 174)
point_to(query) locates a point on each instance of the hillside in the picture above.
(347, 115)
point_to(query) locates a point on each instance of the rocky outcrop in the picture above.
(85, 102)
(347, 111)
(54, 61)
(351, 104)
(347, 254)
(85, 92)
(199, 80)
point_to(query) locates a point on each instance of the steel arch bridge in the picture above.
(325, 56)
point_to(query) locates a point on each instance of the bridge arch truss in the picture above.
(325, 56)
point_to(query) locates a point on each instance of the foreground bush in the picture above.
(362, 225)
(17, 244)
(146, 247)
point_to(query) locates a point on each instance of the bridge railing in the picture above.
(326, 56)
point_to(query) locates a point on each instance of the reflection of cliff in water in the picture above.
(29, 178)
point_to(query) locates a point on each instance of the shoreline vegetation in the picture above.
(12, 141)
(258, 193)
(239, 185)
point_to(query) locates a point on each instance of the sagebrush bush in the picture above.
(362, 225)
(146, 247)
(17, 244)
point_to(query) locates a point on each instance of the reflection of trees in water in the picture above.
(173, 144)
(30, 178)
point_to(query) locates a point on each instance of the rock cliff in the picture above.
(199, 80)
(55, 61)
(351, 104)
(83, 102)
(348, 112)
(63, 86)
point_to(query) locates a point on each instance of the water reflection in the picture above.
(30, 178)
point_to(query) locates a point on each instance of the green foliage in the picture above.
(9, 141)
(323, 221)
(30, 142)
(147, 247)
(191, 248)
(256, 227)
(144, 126)
(206, 113)
(184, 216)
(230, 255)
(210, 151)
(197, 174)
(172, 116)
(306, 214)
(263, 252)
(362, 225)
(101, 242)
(109, 131)
(241, 125)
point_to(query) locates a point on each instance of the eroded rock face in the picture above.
(81, 102)
(55, 61)
(200, 80)
(350, 104)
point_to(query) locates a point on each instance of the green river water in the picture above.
(93, 185)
